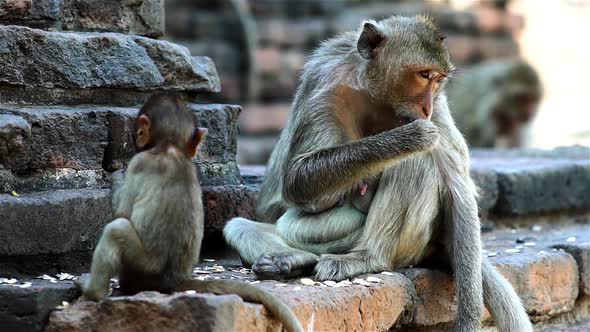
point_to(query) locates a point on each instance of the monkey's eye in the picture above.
(427, 74)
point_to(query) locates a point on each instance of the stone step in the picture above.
(57, 230)
(61, 147)
(144, 18)
(549, 281)
(41, 67)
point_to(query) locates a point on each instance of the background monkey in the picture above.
(494, 102)
(156, 238)
(370, 117)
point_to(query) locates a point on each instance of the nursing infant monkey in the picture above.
(156, 238)
(371, 174)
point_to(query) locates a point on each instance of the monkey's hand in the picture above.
(420, 135)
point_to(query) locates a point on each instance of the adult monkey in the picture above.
(353, 181)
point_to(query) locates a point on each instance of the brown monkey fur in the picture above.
(371, 174)
(156, 238)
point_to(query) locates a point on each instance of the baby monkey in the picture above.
(156, 236)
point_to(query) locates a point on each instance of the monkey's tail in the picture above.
(249, 293)
(503, 302)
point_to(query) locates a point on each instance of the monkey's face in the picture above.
(408, 64)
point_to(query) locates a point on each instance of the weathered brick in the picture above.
(257, 119)
(580, 251)
(76, 61)
(52, 222)
(225, 202)
(374, 308)
(64, 225)
(51, 179)
(27, 309)
(54, 142)
(547, 282)
(129, 16)
(14, 9)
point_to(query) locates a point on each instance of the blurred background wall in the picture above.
(259, 48)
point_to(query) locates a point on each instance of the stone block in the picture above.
(53, 222)
(547, 281)
(14, 9)
(144, 17)
(225, 202)
(27, 309)
(74, 62)
(541, 185)
(88, 138)
(51, 179)
(60, 138)
(14, 130)
(581, 253)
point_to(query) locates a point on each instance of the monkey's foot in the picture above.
(89, 288)
(340, 267)
(284, 265)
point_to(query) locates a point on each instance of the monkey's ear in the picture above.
(144, 125)
(370, 41)
(196, 140)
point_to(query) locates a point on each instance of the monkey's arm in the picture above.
(314, 181)
(117, 180)
(125, 187)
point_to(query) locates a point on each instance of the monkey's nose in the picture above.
(427, 111)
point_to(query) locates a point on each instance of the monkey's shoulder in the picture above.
(158, 162)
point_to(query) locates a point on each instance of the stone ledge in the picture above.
(76, 61)
(546, 279)
(58, 229)
(91, 138)
(52, 222)
(83, 15)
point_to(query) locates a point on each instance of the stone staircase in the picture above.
(70, 85)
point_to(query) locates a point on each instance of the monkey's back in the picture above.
(167, 213)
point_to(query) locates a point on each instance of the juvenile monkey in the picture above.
(370, 117)
(156, 238)
(495, 101)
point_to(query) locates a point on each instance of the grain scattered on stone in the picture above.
(307, 282)
(361, 282)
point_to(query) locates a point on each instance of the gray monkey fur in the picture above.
(421, 193)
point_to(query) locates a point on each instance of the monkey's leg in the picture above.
(119, 241)
(503, 302)
(260, 245)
